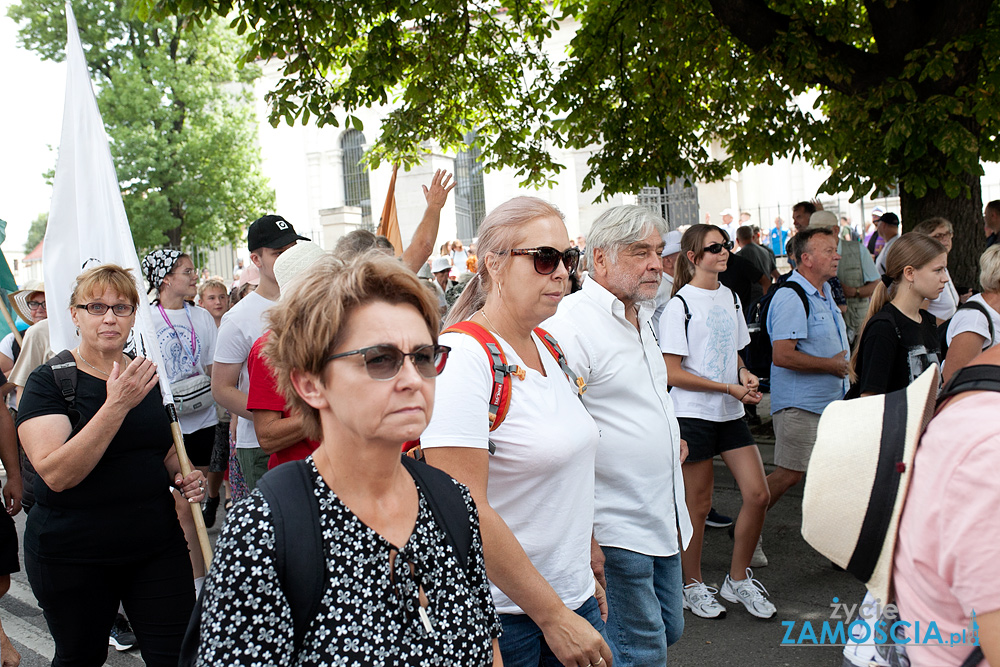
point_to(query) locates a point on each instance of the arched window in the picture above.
(470, 195)
(677, 203)
(356, 189)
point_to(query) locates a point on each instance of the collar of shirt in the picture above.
(613, 304)
(808, 286)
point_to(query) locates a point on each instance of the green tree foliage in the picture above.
(36, 232)
(900, 92)
(179, 115)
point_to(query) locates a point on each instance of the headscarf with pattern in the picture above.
(157, 264)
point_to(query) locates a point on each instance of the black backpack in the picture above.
(759, 353)
(300, 561)
(943, 327)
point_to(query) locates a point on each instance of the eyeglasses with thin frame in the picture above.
(547, 258)
(384, 361)
(36, 304)
(185, 272)
(716, 248)
(97, 308)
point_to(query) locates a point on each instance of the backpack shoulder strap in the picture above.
(687, 313)
(975, 305)
(552, 346)
(981, 377)
(500, 395)
(797, 288)
(446, 504)
(298, 542)
(64, 369)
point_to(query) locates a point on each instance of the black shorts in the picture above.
(199, 446)
(707, 439)
(8, 544)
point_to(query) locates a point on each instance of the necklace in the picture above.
(90, 364)
(483, 313)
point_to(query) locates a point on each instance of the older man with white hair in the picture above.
(641, 521)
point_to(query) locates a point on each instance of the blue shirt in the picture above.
(824, 334)
(779, 238)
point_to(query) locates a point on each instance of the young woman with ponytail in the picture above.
(898, 340)
(701, 332)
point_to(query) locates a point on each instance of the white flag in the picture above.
(87, 222)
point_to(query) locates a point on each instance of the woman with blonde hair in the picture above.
(701, 332)
(531, 475)
(898, 340)
(947, 303)
(976, 325)
(354, 350)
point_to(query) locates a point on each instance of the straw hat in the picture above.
(19, 299)
(858, 475)
(295, 261)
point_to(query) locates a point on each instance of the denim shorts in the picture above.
(522, 643)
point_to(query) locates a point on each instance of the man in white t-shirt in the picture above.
(267, 238)
(640, 517)
(668, 260)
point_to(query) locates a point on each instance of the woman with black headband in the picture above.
(898, 340)
(186, 334)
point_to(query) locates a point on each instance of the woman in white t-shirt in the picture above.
(186, 335)
(969, 331)
(701, 333)
(535, 492)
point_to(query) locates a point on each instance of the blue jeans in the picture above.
(523, 645)
(645, 597)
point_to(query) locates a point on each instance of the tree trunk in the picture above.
(174, 237)
(966, 215)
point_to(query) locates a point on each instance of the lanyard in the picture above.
(194, 348)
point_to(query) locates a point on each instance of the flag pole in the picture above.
(186, 468)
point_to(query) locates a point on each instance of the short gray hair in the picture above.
(621, 226)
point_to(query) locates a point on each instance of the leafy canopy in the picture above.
(179, 115)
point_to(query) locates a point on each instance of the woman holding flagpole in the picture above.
(104, 531)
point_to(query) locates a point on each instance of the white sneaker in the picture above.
(758, 559)
(750, 592)
(700, 600)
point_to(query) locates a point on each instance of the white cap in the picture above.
(440, 264)
(673, 243)
(727, 211)
(294, 262)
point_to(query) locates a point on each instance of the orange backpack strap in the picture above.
(500, 394)
(553, 347)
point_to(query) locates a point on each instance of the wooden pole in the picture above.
(10, 322)
(182, 458)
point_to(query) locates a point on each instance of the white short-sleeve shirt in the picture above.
(970, 319)
(187, 344)
(240, 327)
(709, 346)
(541, 477)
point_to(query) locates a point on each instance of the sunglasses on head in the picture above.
(547, 258)
(384, 361)
(717, 248)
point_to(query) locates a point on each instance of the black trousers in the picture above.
(80, 602)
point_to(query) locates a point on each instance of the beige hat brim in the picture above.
(19, 299)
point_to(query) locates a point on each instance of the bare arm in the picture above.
(6, 364)
(225, 379)
(275, 432)
(765, 281)
(745, 391)
(989, 636)
(964, 347)
(65, 463)
(12, 490)
(572, 639)
(422, 244)
(785, 355)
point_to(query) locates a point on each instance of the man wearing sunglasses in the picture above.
(605, 330)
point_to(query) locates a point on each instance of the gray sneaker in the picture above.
(750, 592)
(700, 600)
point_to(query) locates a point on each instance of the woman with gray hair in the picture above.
(976, 325)
(530, 468)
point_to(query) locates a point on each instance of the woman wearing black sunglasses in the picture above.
(535, 492)
(701, 332)
(354, 350)
(103, 530)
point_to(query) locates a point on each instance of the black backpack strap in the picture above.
(974, 658)
(797, 288)
(63, 367)
(975, 305)
(981, 377)
(687, 314)
(298, 541)
(446, 504)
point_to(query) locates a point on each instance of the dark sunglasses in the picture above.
(547, 259)
(717, 248)
(119, 309)
(41, 304)
(384, 361)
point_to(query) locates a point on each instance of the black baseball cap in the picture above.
(271, 231)
(890, 219)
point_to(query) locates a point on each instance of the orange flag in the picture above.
(388, 225)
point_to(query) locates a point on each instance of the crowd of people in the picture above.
(560, 403)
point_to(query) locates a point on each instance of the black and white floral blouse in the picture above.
(367, 617)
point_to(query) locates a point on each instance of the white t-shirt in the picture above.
(715, 334)
(240, 328)
(7, 346)
(946, 304)
(663, 293)
(541, 478)
(969, 319)
(185, 355)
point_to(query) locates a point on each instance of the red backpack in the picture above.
(502, 371)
